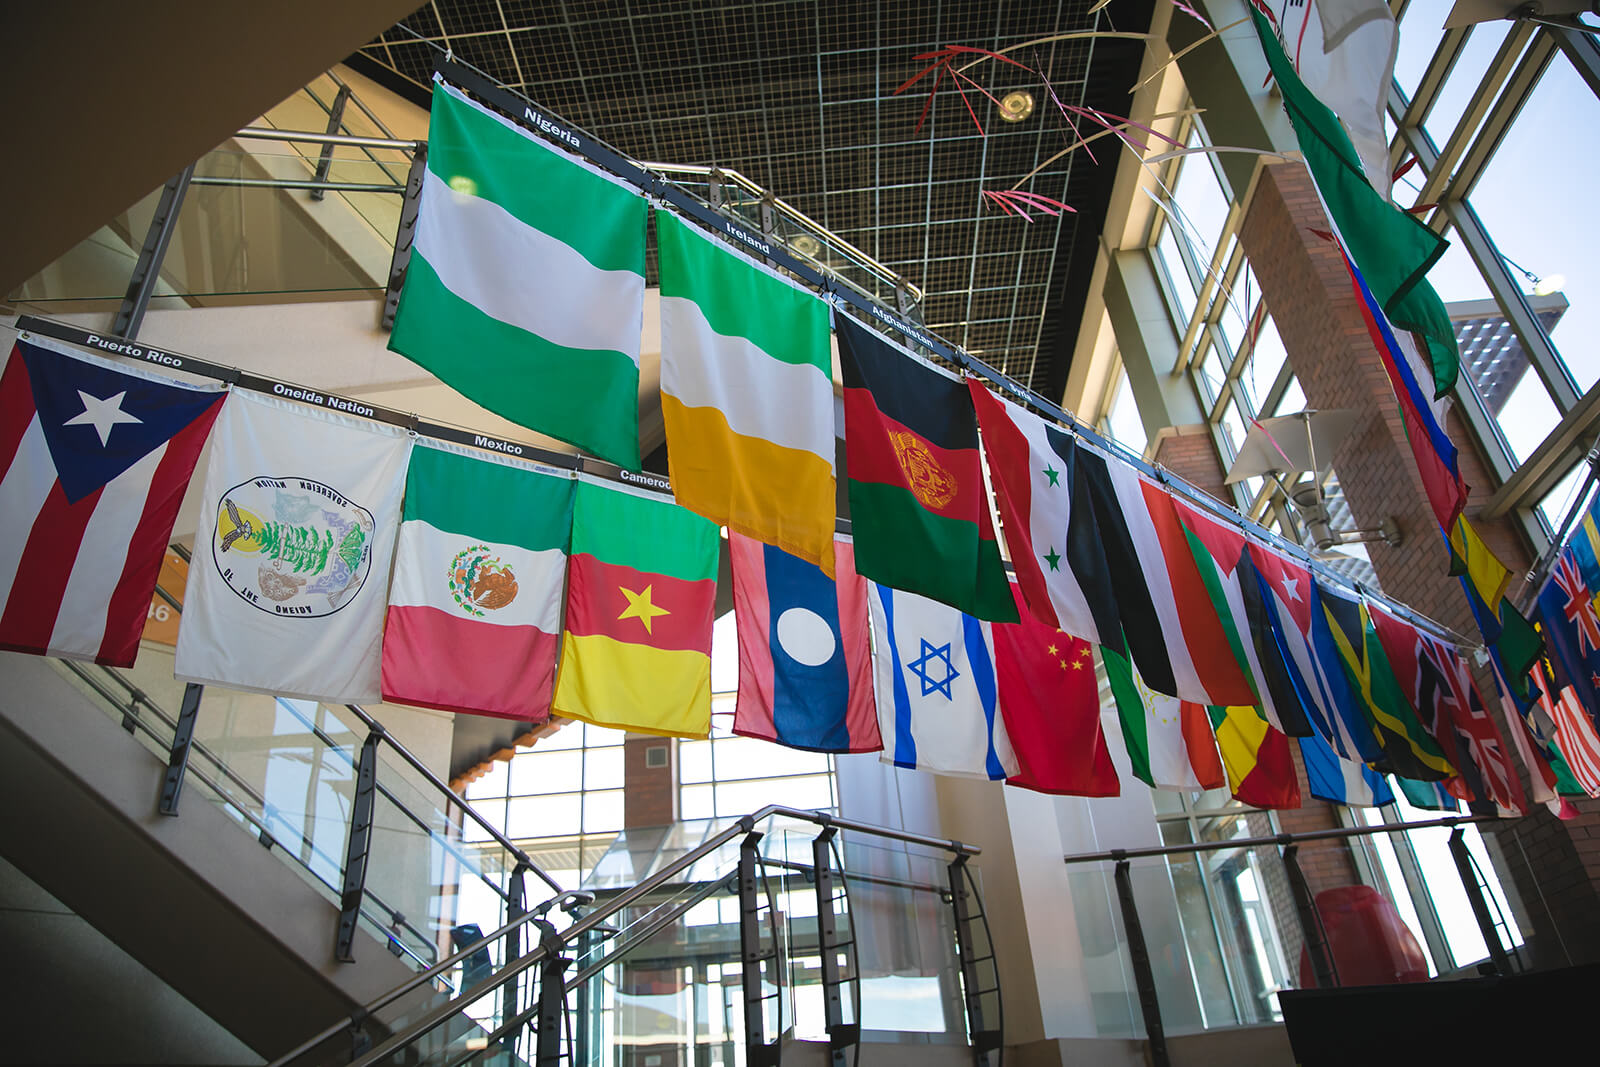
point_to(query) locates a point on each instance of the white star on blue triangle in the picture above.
(919, 667)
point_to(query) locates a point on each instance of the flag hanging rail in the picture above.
(537, 120)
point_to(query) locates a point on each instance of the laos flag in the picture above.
(805, 661)
(95, 459)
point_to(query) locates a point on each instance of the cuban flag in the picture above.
(805, 662)
(936, 690)
(96, 459)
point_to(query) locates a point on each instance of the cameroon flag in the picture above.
(642, 586)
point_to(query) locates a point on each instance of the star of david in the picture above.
(919, 667)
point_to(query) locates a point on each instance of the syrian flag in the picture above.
(1049, 519)
(1169, 621)
(94, 460)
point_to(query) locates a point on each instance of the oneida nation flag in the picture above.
(918, 507)
(475, 607)
(292, 552)
(94, 460)
(641, 588)
(746, 394)
(525, 291)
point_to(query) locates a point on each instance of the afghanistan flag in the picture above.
(917, 503)
(475, 606)
(525, 291)
(642, 585)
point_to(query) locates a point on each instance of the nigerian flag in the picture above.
(525, 291)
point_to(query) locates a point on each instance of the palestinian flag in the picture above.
(1169, 619)
(918, 508)
(636, 654)
(475, 605)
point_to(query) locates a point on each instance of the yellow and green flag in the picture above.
(642, 586)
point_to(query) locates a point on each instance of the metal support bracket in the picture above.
(842, 1036)
(552, 999)
(758, 1051)
(516, 908)
(1139, 955)
(182, 741)
(405, 237)
(147, 270)
(983, 1039)
(360, 846)
(1480, 904)
(1311, 931)
(335, 120)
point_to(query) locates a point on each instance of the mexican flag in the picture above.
(636, 654)
(475, 606)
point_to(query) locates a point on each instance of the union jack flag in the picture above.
(1572, 631)
(1579, 606)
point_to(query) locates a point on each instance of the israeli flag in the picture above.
(934, 683)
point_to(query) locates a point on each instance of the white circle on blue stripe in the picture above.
(806, 637)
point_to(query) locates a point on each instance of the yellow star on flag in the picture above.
(639, 607)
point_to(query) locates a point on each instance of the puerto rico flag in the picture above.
(96, 458)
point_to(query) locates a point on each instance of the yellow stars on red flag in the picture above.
(640, 607)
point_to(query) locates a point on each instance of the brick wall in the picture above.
(650, 794)
(1308, 293)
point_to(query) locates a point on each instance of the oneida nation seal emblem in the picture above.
(932, 485)
(479, 580)
(292, 546)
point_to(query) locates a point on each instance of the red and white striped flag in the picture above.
(96, 458)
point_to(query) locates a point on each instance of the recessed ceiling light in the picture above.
(1016, 106)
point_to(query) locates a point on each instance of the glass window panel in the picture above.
(1420, 28)
(492, 783)
(568, 736)
(1201, 200)
(1177, 273)
(543, 816)
(602, 811)
(1464, 79)
(1455, 276)
(1558, 501)
(1528, 416)
(1267, 357)
(546, 772)
(749, 757)
(694, 761)
(724, 655)
(493, 812)
(1294, 399)
(1240, 304)
(696, 802)
(602, 768)
(1232, 426)
(1531, 215)
(600, 736)
(1123, 418)
(1209, 372)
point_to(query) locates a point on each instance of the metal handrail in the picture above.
(1119, 854)
(437, 1015)
(267, 133)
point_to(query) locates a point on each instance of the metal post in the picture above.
(962, 908)
(758, 1053)
(355, 857)
(335, 120)
(1144, 977)
(516, 908)
(1480, 904)
(182, 741)
(406, 236)
(552, 998)
(841, 1035)
(1311, 932)
(147, 270)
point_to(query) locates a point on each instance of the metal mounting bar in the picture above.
(516, 908)
(1311, 931)
(972, 998)
(147, 270)
(841, 1035)
(360, 846)
(263, 133)
(405, 236)
(1139, 955)
(1277, 839)
(325, 158)
(1480, 905)
(552, 998)
(308, 183)
(758, 1051)
(182, 741)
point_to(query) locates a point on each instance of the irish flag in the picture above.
(475, 606)
(746, 394)
(636, 654)
(525, 291)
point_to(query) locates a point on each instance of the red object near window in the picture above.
(1369, 942)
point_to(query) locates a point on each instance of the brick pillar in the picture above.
(1306, 289)
(650, 794)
